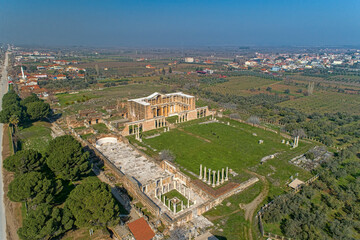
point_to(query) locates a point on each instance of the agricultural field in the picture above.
(323, 102)
(240, 85)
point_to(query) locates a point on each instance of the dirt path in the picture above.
(251, 207)
(213, 218)
(191, 134)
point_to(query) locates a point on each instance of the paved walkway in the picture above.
(3, 90)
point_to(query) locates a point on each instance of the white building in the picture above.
(189, 60)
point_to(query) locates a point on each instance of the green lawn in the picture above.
(172, 194)
(36, 136)
(217, 145)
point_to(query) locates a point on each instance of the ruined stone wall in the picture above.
(192, 115)
(130, 185)
(171, 168)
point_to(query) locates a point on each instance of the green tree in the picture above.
(14, 121)
(170, 70)
(10, 98)
(30, 99)
(34, 188)
(24, 161)
(67, 159)
(45, 223)
(163, 71)
(38, 110)
(92, 204)
(14, 110)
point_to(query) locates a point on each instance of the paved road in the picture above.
(3, 90)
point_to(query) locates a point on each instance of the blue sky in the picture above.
(166, 23)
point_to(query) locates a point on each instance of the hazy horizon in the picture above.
(226, 23)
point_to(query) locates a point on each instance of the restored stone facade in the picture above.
(158, 104)
(150, 112)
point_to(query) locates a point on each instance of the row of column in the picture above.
(201, 113)
(217, 179)
(296, 142)
(160, 123)
(182, 118)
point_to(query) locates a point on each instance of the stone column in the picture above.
(174, 208)
(204, 179)
(227, 174)
(200, 176)
(218, 178)
(214, 176)
(164, 199)
(169, 203)
(188, 205)
(182, 205)
(209, 182)
(222, 176)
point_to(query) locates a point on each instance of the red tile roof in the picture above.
(141, 229)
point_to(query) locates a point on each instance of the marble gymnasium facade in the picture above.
(150, 112)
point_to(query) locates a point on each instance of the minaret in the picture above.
(22, 73)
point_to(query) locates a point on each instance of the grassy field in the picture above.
(217, 145)
(36, 136)
(326, 102)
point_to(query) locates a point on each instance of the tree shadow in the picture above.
(54, 117)
(220, 237)
(68, 186)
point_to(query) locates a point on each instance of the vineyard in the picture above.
(324, 102)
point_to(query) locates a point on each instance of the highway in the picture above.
(3, 90)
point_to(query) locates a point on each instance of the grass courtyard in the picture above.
(175, 194)
(217, 146)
